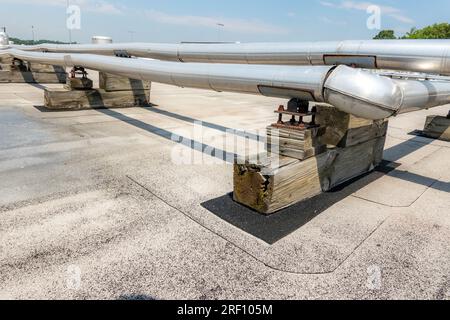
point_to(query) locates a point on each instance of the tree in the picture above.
(436, 31)
(385, 35)
(410, 33)
(31, 42)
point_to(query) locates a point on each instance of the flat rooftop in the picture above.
(100, 204)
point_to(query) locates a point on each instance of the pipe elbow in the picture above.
(363, 94)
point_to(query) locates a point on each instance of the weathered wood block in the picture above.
(79, 84)
(345, 130)
(15, 76)
(110, 82)
(5, 67)
(39, 67)
(296, 153)
(6, 60)
(294, 143)
(267, 188)
(63, 99)
(437, 127)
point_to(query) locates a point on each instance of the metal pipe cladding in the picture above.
(355, 91)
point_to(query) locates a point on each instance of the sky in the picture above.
(216, 20)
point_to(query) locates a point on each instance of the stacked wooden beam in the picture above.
(438, 127)
(297, 144)
(111, 83)
(354, 147)
(114, 92)
(345, 130)
(16, 71)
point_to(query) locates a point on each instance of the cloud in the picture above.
(393, 12)
(333, 21)
(235, 25)
(105, 7)
(97, 6)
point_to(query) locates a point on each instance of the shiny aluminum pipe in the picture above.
(361, 93)
(427, 56)
(286, 82)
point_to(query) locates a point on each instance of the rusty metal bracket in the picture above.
(17, 64)
(78, 71)
(296, 108)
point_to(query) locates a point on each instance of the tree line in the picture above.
(435, 31)
(31, 42)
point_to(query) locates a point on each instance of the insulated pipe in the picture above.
(371, 96)
(361, 93)
(287, 82)
(427, 56)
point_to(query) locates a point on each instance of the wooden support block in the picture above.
(345, 130)
(437, 127)
(308, 138)
(267, 188)
(6, 60)
(5, 67)
(354, 161)
(110, 82)
(296, 153)
(63, 99)
(15, 76)
(39, 67)
(79, 83)
(295, 143)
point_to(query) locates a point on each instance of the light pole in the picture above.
(32, 34)
(132, 33)
(219, 26)
(70, 31)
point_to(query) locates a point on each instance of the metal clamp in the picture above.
(78, 71)
(296, 108)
